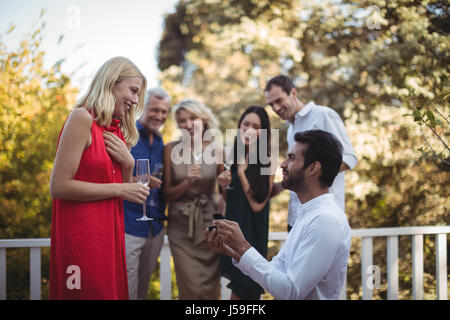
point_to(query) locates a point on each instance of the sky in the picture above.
(94, 31)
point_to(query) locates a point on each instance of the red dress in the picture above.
(87, 257)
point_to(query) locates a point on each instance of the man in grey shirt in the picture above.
(281, 95)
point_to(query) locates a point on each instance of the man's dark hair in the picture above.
(325, 148)
(282, 81)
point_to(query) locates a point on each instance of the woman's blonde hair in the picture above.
(199, 109)
(100, 100)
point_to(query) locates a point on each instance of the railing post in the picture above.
(343, 293)
(417, 266)
(225, 292)
(366, 264)
(2, 274)
(165, 272)
(35, 273)
(441, 266)
(392, 267)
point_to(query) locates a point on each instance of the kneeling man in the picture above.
(313, 261)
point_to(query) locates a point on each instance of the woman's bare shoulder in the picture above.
(80, 116)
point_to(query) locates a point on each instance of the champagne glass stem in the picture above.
(143, 174)
(227, 168)
(144, 210)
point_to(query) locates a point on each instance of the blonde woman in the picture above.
(189, 189)
(92, 174)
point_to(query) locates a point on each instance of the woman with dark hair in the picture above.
(250, 182)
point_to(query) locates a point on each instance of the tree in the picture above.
(335, 52)
(34, 102)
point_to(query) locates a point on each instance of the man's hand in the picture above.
(154, 182)
(227, 239)
(216, 244)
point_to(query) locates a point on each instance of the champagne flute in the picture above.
(143, 177)
(197, 159)
(228, 168)
(228, 163)
(157, 173)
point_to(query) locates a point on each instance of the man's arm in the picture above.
(277, 189)
(312, 258)
(333, 123)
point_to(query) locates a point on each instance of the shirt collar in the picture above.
(306, 108)
(142, 130)
(312, 204)
(304, 111)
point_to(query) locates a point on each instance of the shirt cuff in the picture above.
(248, 259)
(349, 160)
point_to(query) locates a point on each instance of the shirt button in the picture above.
(114, 171)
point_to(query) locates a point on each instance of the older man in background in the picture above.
(144, 239)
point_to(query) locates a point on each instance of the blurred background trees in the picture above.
(382, 65)
(34, 103)
(354, 57)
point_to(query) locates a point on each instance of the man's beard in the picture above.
(295, 181)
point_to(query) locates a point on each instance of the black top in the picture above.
(254, 226)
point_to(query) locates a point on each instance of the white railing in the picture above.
(392, 235)
(35, 246)
(367, 274)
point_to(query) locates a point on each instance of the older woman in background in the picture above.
(189, 187)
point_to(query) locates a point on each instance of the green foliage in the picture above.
(34, 102)
(436, 120)
(225, 51)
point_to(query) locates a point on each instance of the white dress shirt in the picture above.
(313, 116)
(312, 263)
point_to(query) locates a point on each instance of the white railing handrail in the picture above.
(273, 236)
(399, 231)
(367, 236)
(25, 243)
